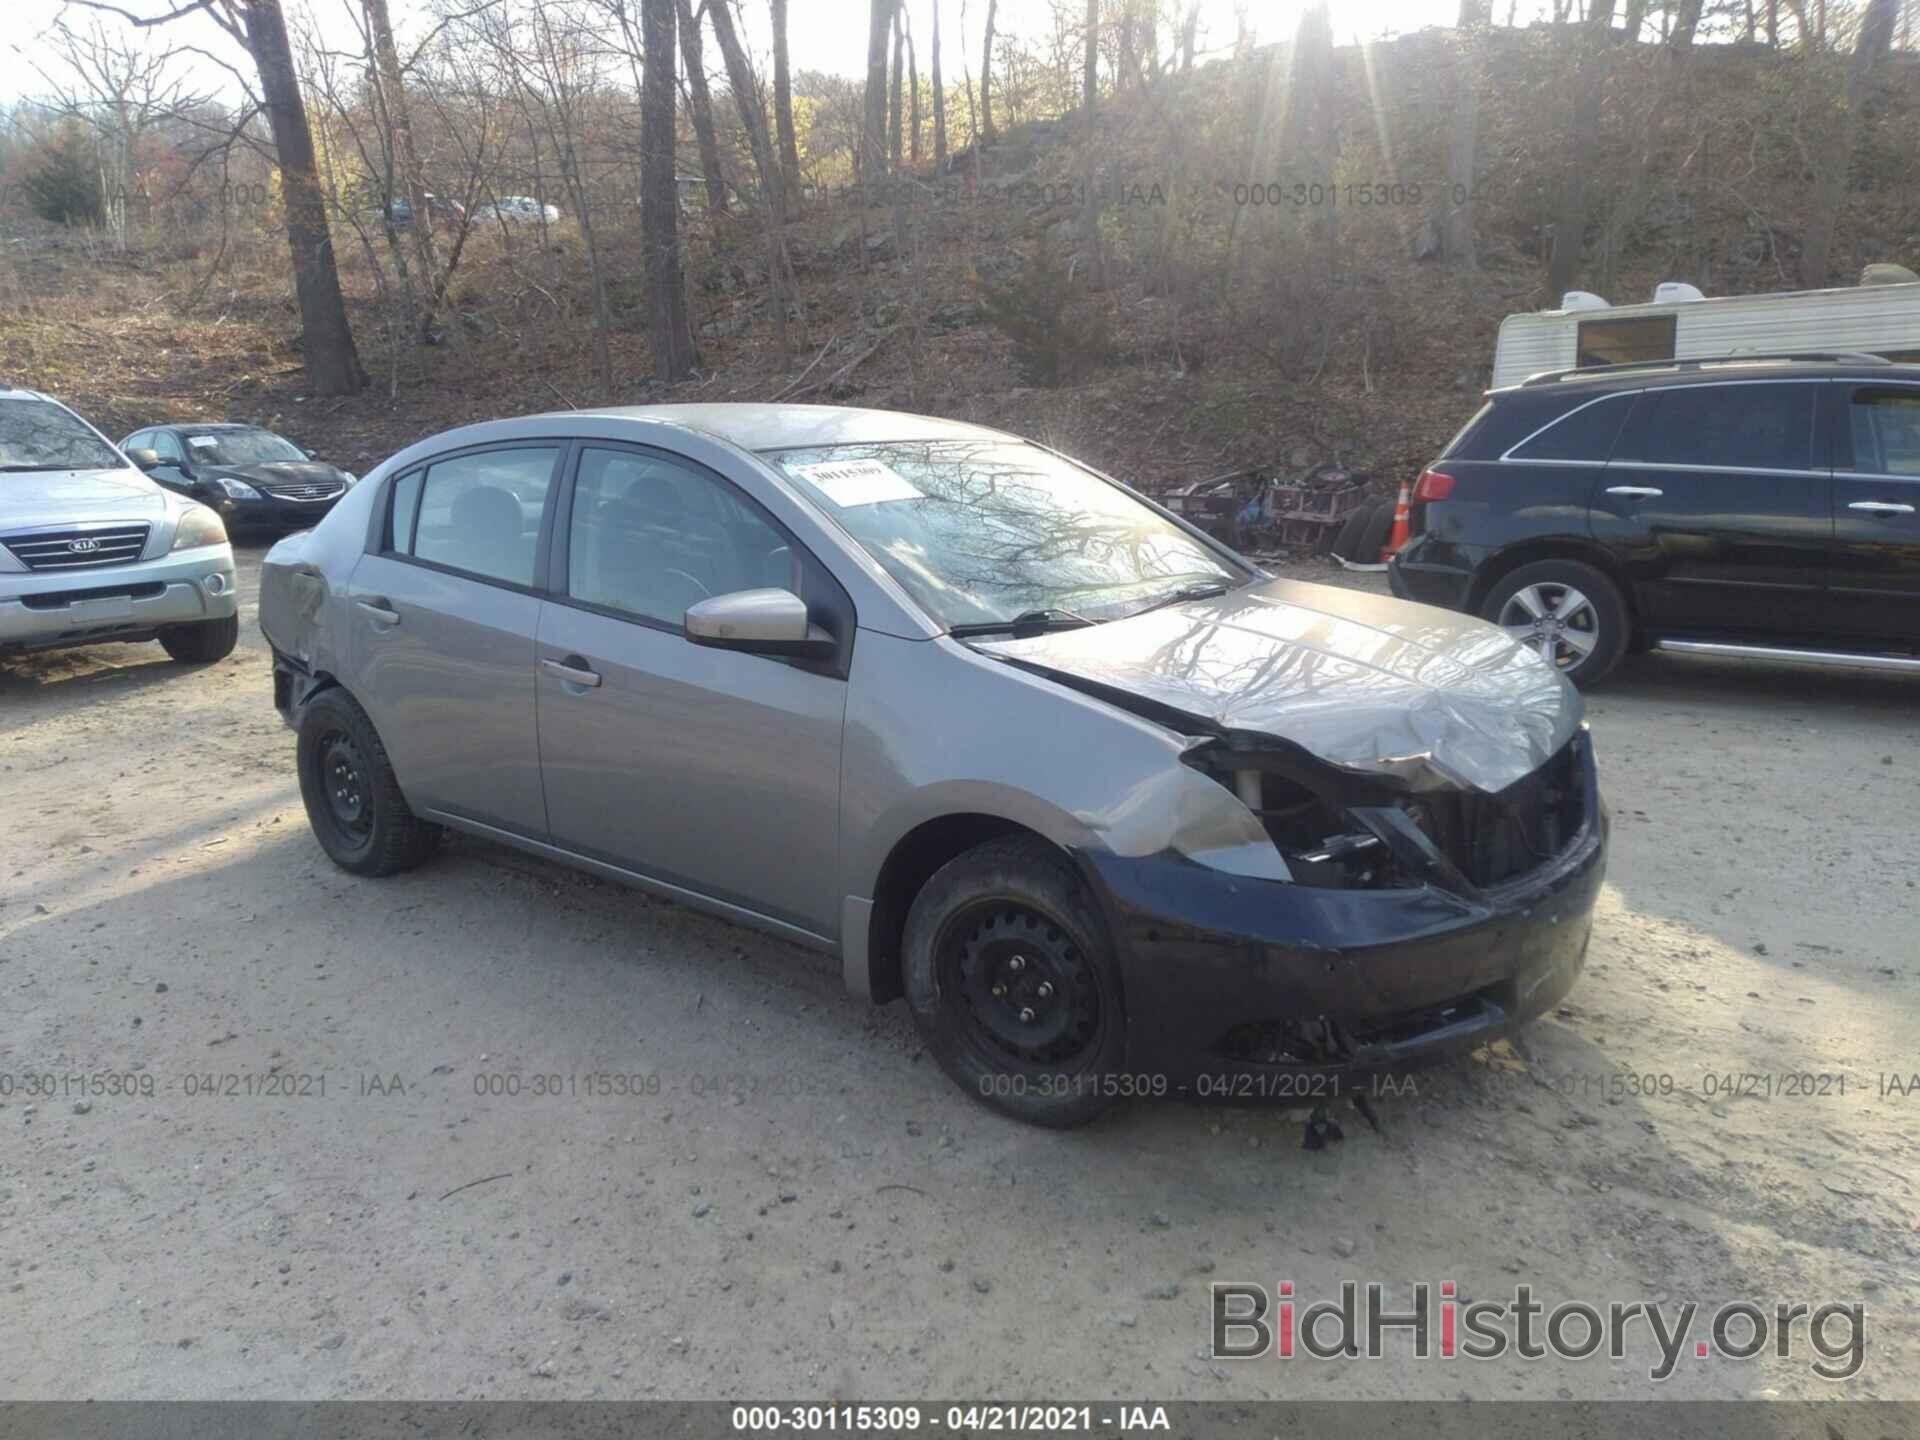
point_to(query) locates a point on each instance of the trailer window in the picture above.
(1626, 342)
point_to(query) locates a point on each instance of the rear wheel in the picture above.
(353, 799)
(1013, 984)
(1569, 612)
(202, 642)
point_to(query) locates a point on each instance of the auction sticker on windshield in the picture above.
(857, 482)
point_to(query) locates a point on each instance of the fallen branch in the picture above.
(839, 376)
(788, 389)
(483, 1180)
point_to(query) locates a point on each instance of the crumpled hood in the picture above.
(1362, 681)
(30, 498)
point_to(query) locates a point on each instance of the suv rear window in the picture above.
(1747, 427)
(1586, 433)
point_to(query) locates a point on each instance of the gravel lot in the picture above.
(802, 1206)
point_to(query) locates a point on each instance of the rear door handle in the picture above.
(574, 671)
(380, 608)
(1646, 490)
(1882, 507)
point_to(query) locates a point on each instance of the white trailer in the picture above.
(1880, 318)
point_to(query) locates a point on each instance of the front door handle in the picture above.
(1646, 490)
(1882, 507)
(381, 609)
(574, 671)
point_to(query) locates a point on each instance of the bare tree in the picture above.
(120, 90)
(1835, 157)
(398, 117)
(873, 144)
(896, 96)
(700, 106)
(1583, 142)
(913, 90)
(753, 119)
(783, 108)
(939, 99)
(986, 136)
(668, 334)
(258, 26)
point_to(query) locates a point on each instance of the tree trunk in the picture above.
(939, 101)
(1453, 229)
(913, 93)
(1089, 200)
(754, 121)
(1570, 223)
(700, 106)
(1307, 130)
(1126, 65)
(332, 362)
(1834, 159)
(1188, 31)
(668, 334)
(783, 107)
(1638, 190)
(413, 178)
(1686, 24)
(986, 80)
(896, 95)
(873, 137)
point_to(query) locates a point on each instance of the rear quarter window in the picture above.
(1585, 434)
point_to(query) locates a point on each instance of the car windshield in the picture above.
(985, 531)
(240, 447)
(39, 435)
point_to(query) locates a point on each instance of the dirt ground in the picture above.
(796, 1203)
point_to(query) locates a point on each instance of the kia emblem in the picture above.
(81, 547)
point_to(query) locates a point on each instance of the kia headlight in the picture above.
(198, 527)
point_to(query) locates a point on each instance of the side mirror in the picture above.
(766, 622)
(146, 459)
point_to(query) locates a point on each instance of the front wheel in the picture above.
(352, 796)
(202, 642)
(1013, 983)
(1569, 612)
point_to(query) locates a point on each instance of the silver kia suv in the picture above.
(92, 551)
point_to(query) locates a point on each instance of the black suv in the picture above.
(1751, 506)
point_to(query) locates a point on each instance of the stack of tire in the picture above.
(1359, 538)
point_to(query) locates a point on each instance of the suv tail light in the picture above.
(1432, 485)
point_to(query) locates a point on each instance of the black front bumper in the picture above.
(1383, 980)
(274, 512)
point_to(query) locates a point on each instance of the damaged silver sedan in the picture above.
(1115, 812)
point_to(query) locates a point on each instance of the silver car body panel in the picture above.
(782, 805)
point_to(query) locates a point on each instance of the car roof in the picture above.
(1663, 373)
(792, 427)
(20, 392)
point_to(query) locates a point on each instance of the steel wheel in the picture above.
(343, 779)
(1555, 619)
(1029, 994)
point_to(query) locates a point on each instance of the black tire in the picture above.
(1601, 624)
(353, 799)
(1374, 537)
(202, 642)
(1348, 540)
(1013, 914)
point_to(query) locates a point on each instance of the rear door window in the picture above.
(1743, 427)
(1886, 430)
(480, 513)
(1585, 434)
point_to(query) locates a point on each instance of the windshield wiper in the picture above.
(1204, 591)
(18, 469)
(1028, 622)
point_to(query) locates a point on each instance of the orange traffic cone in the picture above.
(1402, 524)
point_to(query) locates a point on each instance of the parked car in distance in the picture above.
(439, 210)
(92, 551)
(1764, 507)
(253, 477)
(520, 210)
(1114, 811)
